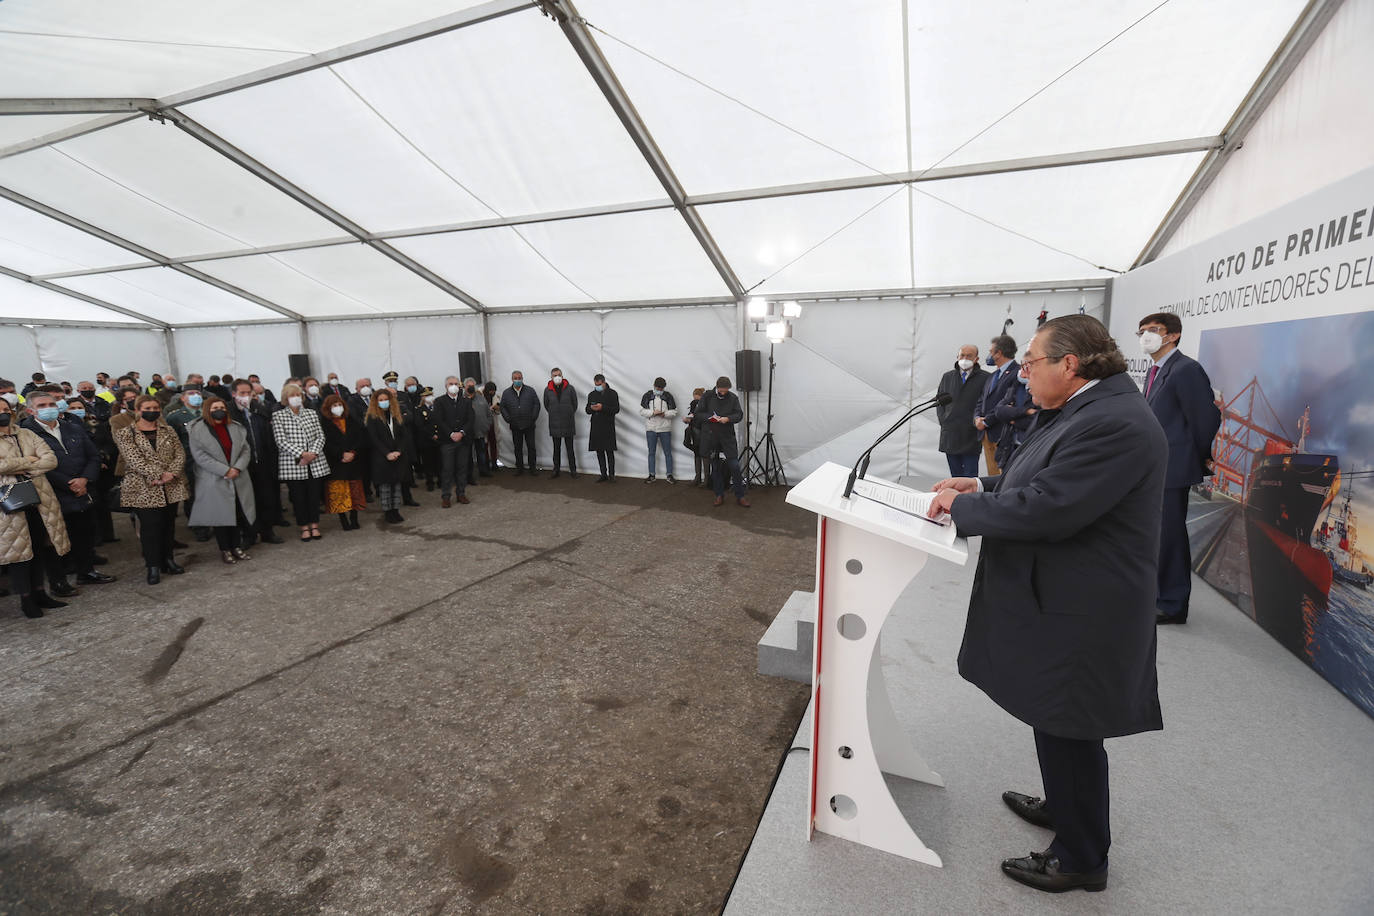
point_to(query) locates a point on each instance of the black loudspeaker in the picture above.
(748, 370)
(470, 365)
(300, 365)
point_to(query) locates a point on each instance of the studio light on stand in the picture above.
(761, 461)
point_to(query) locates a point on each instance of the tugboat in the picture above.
(1337, 538)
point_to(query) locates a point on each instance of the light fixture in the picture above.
(758, 308)
(778, 331)
(791, 309)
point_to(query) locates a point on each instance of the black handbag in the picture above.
(18, 496)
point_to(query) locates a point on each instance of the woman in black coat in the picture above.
(692, 438)
(393, 450)
(603, 404)
(345, 448)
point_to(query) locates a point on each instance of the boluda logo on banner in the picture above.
(1312, 257)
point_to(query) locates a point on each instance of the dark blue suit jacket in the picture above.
(995, 391)
(1182, 400)
(77, 456)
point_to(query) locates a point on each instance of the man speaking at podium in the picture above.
(1061, 623)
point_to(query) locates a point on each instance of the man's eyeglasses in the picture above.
(1027, 363)
(1152, 329)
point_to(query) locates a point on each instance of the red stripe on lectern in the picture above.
(816, 673)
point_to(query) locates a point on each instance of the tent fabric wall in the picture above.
(262, 349)
(1317, 129)
(73, 354)
(18, 353)
(209, 351)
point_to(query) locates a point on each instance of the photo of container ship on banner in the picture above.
(1275, 528)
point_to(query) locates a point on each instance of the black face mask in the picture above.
(218, 414)
(87, 395)
(471, 392)
(150, 415)
(4, 419)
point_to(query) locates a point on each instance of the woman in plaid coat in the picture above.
(300, 459)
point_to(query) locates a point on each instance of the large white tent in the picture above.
(602, 186)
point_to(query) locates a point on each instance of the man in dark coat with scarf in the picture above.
(720, 412)
(560, 403)
(958, 435)
(1061, 630)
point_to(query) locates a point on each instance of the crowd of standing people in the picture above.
(221, 450)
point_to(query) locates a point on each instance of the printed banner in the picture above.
(1280, 312)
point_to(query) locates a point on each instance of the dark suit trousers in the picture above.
(1077, 796)
(963, 465)
(1175, 556)
(523, 439)
(560, 443)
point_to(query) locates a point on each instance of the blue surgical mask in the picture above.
(384, 405)
(517, 383)
(77, 412)
(47, 414)
(412, 388)
(61, 404)
(1024, 380)
(600, 387)
(658, 391)
(195, 400)
(391, 385)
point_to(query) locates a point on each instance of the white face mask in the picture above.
(1150, 342)
(242, 401)
(557, 379)
(313, 391)
(294, 400)
(453, 390)
(966, 364)
(365, 391)
(11, 397)
(429, 401)
(337, 410)
(333, 381)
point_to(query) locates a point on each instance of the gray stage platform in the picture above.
(1258, 796)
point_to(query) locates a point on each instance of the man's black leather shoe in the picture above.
(1028, 808)
(94, 578)
(270, 537)
(1040, 870)
(1162, 619)
(64, 589)
(170, 566)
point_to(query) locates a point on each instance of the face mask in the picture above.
(151, 415)
(218, 414)
(313, 391)
(62, 404)
(365, 391)
(990, 361)
(242, 401)
(337, 410)
(170, 384)
(1150, 342)
(4, 419)
(128, 406)
(391, 385)
(47, 414)
(412, 388)
(87, 395)
(429, 401)
(472, 389)
(384, 405)
(515, 384)
(77, 412)
(558, 379)
(195, 400)
(600, 387)
(11, 397)
(294, 400)
(658, 392)
(333, 382)
(1023, 379)
(453, 389)
(966, 364)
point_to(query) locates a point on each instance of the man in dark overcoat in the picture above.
(1061, 629)
(958, 435)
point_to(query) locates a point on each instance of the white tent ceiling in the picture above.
(321, 160)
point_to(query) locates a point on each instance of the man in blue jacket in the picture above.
(73, 480)
(1002, 359)
(1180, 394)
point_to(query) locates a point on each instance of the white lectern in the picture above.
(868, 548)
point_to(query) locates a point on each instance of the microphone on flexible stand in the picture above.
(861, 466)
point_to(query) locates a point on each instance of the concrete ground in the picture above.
(542, 702)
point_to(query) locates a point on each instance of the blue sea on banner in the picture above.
(1342, 642)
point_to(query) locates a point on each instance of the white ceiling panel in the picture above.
(508, 111)
(36, 244)
(153, 48)
(169, 296)
(33, 303)
(629, 256)
(14, 128)
(972, 64)
(1050, 224)
(832, 73)
(839, 240)
(495, 265)
(320, 135)
(339, 280)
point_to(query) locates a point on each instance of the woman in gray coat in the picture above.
(224, 488)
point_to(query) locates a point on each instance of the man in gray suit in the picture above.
(1061, 629)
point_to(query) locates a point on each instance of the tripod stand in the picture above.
(761, 462)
